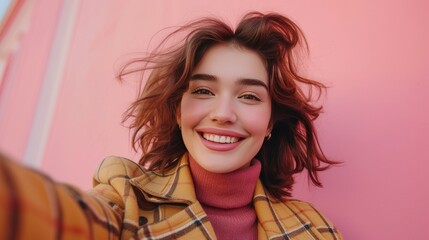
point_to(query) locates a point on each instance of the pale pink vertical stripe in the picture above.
(53, 76)
(25, 69)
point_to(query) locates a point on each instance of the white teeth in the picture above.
(219, 139)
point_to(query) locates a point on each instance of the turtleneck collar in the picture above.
(225, 190)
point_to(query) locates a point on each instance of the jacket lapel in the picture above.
(175, 186)
(276, 219)
(188, 221)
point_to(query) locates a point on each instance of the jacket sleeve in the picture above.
(33, 206)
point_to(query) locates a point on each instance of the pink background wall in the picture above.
(373, 54)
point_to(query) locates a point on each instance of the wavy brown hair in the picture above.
(293, 145)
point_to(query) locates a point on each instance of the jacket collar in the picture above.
(174, 186)
(177, 185)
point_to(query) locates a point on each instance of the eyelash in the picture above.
(204, 91)
(250, 97)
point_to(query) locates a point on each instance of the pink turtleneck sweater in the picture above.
(227, 199)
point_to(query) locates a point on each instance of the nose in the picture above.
(223, 111)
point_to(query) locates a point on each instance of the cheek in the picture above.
(191, 112)
(257, 121)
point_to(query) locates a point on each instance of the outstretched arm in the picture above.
(33, 206)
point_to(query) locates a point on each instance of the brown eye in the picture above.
(202, 91)
(250, 97)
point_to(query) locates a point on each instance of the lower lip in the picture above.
(223, 147)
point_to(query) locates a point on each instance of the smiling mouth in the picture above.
(219, 138)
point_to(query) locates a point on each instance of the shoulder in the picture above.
(306, 212)
(117, 167)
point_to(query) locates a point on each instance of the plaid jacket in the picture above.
(129, 202)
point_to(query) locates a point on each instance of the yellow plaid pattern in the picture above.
(129, 202)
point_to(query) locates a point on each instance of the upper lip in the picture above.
(222, 132)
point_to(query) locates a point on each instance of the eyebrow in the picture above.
(241, 81)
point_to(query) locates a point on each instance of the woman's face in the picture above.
(225, 113)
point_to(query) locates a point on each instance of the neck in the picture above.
(213, 188)
(227, 199)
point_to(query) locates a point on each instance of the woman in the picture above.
(224, 124)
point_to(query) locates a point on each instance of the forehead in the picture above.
(230, 61)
